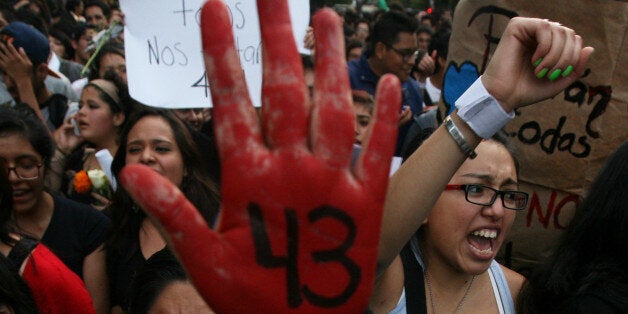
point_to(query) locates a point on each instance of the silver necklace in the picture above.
(464, 297)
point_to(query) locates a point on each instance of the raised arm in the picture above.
(514, 78)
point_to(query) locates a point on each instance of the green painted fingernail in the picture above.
(542, 73)
(537, 62)
(555, 74)
(568, 70)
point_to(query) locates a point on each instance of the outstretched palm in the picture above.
(298, 229)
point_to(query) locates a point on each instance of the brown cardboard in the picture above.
(562, 142)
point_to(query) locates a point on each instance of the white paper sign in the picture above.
(164, 56)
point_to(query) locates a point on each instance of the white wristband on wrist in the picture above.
(481, 111)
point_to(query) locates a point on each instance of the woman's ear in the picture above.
(118, 118)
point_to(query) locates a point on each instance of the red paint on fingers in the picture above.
(332, 121)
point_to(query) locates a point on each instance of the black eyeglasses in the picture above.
(405, 54)
(26, 171)
(483, 195)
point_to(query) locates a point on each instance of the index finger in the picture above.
(184, 227)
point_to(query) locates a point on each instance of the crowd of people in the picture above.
(75, 237)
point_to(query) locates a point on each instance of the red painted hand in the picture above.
(298, 229)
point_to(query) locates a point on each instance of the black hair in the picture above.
(429, 17)
(386, 30)
(28, 16)
(79, 30)
(307, 61)
(126, 105)
(591, 255)
(6, 204)
(500, 137)
(351, 44)
(159, 271)
(425, 29)
(8, 13)
(348, 30)
(110, 47)
(71, 5)
(350, 17)
(397, 6)
(96, 3)
(21, 120)
(14, 292)
(440, 43)
(65, 41)
(126, 218)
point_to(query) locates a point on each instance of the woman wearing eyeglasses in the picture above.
(448, 266)
(52, 287)
(73, 231)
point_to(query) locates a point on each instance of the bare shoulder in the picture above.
(514, 279)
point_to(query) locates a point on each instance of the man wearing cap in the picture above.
(24, 53)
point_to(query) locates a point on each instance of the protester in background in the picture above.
(103, 108)
(391, 48)
(201, 127)
(426, 65)
(160, 140)
(195, 117)
(439, 47)
(363, 106)
(362, 30)
(424, 37)
(15, 295)
(110, 57)
(6, 16)
(62, 55)
(75, 8)
(354, 50)
(83, 37)
(97, 13)
(588, 271)
(25, 72)
(74, 232)
(117, 16)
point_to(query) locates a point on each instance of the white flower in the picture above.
(98, 178)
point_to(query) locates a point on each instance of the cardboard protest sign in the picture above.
(535, 231)
(163, 49)
(563, 142)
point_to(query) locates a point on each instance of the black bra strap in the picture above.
(21, 250)
(413, 282)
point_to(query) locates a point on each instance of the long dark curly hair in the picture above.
(126, 217)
